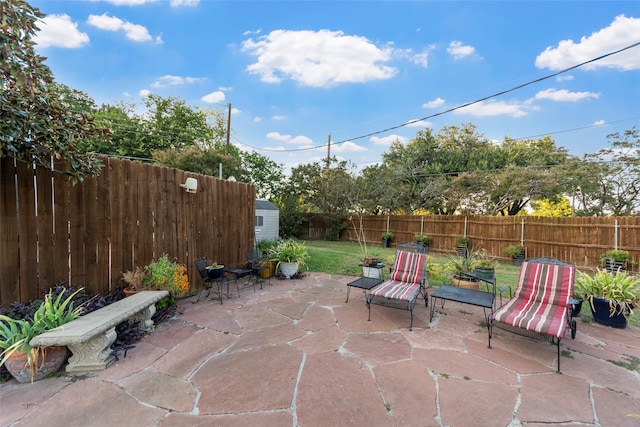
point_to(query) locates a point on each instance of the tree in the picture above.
(35, 125)
(264, 173)
(608, 182)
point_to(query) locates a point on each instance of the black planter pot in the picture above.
(576, 307)
(462, 251)
(600, 310)
(613, 266)
(385, 243)
(485, 273)
(517, 260)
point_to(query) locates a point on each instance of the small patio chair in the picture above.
(407, 280)
(254, 263)
(210, 281)
(541, 305)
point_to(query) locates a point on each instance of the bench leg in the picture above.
(94, 355)
(144, 317)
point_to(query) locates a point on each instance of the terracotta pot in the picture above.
(18, 364)
(267, 273)
(129, 291)
(466, 282)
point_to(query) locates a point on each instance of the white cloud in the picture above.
(433, 104)
(170, 80)
(134, 32)
(622, 32)
(564, 95)
(278, 117)
(235, 111)
(60, 31)
(418, 124)
(213, 97)
(188, 3)
(144, 93)
(388, 140)
(317, 59)
(347, 147)
(458, 51)
(599, 122)
(257, 119)
(564, 77)
(300, 139)
(494, 108)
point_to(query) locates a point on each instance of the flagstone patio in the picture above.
(295, 354)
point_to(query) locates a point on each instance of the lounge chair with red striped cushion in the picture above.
(406, 282)
(541, 303)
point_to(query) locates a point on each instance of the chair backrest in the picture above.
(546, 280)
(253, 258)
(412, 247)
(201, 265)
(409, 267)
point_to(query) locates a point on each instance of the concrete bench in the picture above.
(90, 337)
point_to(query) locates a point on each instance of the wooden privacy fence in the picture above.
(577, 240)
(90, 233)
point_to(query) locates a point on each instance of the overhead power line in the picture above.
(520, 86)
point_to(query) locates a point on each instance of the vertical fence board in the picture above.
(27, 232)
(9, 253)
(76, 233)
(115, 220)
(47, 262)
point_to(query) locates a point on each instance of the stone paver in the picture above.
(295, 354)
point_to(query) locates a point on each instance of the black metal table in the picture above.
(365, 283)
(465, 296)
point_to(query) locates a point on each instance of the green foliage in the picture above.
(289, 251)
(617, 255)
(622, 290)
(460, 264)
(166, 274)
(423, 238)
(15, 334)
(513, 251)
(462, 241)
(36, 126)
(387, 236)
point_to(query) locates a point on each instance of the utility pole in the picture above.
(228, 128)
(329, 151)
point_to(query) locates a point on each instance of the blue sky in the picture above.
(295, 72)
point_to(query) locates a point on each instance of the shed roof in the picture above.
(266, 205)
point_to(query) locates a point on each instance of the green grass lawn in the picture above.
(343, 258)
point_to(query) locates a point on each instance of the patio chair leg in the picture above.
(558, 344)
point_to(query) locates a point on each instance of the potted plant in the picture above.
(484, 266)
(289, 255)
(611, 297)
(134, 280)
(458, 265)
(516, 252)
(386, 238)
(166, 274)
(462, 244)
(614, 260)
(28, 363)
(423, 240)
(215, 270)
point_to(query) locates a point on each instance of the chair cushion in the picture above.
(408, 267)
(394, 289)
(541, 299)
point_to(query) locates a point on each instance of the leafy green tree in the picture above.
(36, 126)
(264, 173)
(610, 183)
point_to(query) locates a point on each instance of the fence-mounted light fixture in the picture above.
(190, 185)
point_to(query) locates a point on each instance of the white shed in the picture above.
(267, 221)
